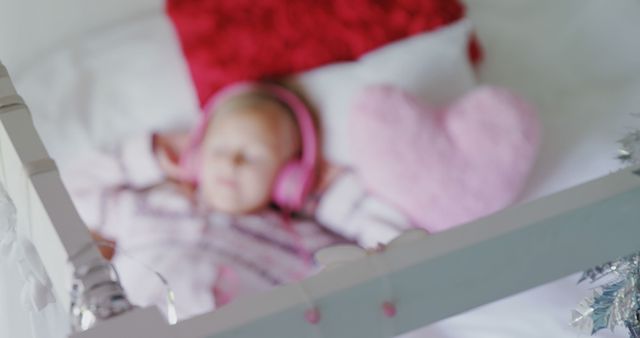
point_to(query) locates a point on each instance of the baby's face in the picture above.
(242, 153)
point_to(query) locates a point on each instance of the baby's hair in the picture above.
(252, 99)
(259, 96)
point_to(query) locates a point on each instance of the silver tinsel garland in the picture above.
(629, 151)
(616, 302)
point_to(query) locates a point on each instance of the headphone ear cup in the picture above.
(293, 185)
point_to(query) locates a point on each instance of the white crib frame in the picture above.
(486, 260)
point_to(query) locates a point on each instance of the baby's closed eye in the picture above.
(250, 155)
(257, 155)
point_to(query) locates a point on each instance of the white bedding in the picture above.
(577, 60)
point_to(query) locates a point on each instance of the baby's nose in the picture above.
(237, 159)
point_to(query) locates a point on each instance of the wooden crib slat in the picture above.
(46, 214)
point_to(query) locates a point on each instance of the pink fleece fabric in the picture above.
(444, 166)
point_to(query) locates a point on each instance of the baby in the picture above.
(256, 144)
(210, 210)
(261, 126)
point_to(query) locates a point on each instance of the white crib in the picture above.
(430, 279)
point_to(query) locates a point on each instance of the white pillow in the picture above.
(433, 66)
(111, 85)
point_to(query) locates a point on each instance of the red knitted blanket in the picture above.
(225, 41)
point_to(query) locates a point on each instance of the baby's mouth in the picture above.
(228, 183)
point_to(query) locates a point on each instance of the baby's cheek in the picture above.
(260, 182)
(206, 171)
(257, 186)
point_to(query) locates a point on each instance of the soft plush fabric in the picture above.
(447, 166)
(232, 40)
(433, 67)
(347, 209)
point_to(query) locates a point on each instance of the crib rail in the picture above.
(442, 275)
(448, 273)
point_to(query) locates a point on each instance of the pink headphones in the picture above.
(297, 177)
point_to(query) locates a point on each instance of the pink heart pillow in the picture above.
(443, 167)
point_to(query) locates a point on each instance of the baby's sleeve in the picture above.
(91, 178)
(349, 210)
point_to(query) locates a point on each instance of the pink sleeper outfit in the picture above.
(349, 209)
(208, 258)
